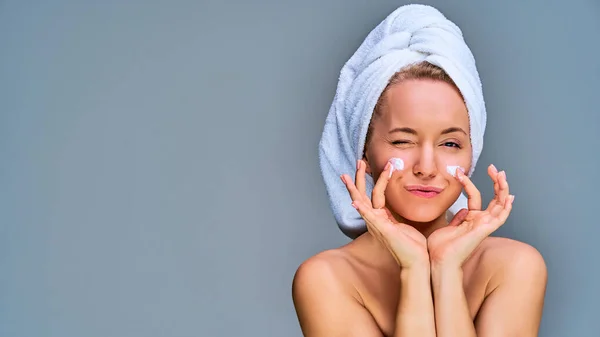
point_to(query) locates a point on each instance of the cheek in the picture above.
(379, 159)
(396, 162)
(445, 164)
(449, 164)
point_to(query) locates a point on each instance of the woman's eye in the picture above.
(400, 142)
(452, 144)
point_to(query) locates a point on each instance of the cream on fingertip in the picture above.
(397, 164)
(453, 168)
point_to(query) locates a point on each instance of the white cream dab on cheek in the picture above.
(452, 169)
(397, 165)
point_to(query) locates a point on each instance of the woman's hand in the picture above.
(405, 243)
(453, 244)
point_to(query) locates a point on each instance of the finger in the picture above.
(378, 195)
(354, 193)
(472, 192)
(497, 221)
(459, 217)
(503, 192)
(505, 212)
(360, 177)
(361, 209)
(371, 219)
(493, 173)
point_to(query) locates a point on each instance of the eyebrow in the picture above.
(414, 132)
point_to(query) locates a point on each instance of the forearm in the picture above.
(452, 317)
(415, 315)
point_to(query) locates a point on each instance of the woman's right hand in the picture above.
(405, 243)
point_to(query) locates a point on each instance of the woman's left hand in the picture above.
(452, 245)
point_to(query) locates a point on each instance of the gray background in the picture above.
(158, 168)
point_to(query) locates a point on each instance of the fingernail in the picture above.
(358, 164)
(452, 169)
(494, 168)
(460, 174)
(342, 177)
(391, 168)
(512, 198)
(354, 205)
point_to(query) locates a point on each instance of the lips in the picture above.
(424, 191)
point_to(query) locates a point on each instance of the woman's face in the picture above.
(425, 123)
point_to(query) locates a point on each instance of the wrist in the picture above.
(418, 266)
(440, 271)
(444, 263)
(418, 270)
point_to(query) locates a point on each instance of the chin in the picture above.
(421, 211)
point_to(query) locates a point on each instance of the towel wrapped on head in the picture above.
(409, 35)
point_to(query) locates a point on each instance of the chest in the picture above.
(380, 293)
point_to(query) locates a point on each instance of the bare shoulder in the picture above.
(514, 298)
(327, 271)
(511, 259)
(326, 302)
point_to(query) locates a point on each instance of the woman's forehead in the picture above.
(424, 103)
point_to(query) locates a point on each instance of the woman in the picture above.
(411, 272)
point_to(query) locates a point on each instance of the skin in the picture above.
(412, 273)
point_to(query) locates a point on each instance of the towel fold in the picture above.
(411, 34)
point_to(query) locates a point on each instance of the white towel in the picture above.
(411, 34)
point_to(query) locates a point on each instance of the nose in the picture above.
(425, 166)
